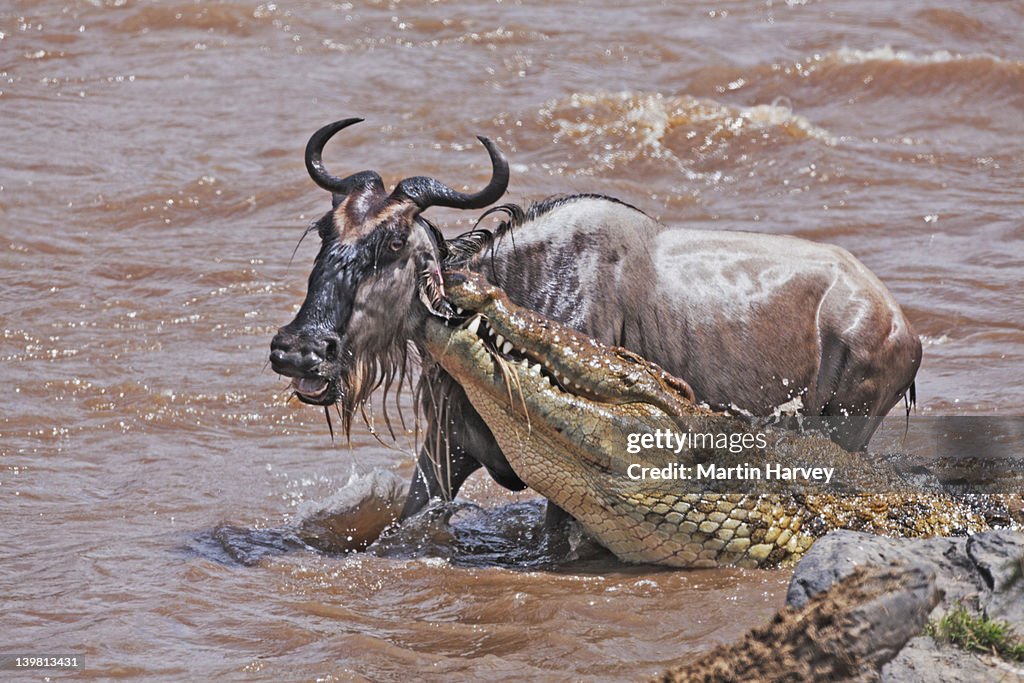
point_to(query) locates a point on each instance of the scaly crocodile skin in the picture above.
(561, 406)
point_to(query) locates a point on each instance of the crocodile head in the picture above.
(565, 408)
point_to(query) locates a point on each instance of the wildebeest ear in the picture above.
(440, 243)
(431, 287)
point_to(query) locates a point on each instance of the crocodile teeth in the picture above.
(499, 341)
(474, 325)
(459, 310)
(506, 347)
(535, 369)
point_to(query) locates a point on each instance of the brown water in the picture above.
(152, 191)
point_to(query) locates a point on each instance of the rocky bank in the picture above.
(858, 605)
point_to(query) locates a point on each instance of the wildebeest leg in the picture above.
(455, 450)
(437, 478)
(870, 384)
(554, 516)
(556, 530)
(852, 432)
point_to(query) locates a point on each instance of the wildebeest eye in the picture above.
(397, 243)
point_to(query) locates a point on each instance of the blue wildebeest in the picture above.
(751, 321)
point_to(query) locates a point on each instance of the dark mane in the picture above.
(538, 209)
(460, 250)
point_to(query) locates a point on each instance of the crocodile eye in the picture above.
(397, 243)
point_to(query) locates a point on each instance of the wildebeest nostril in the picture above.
(282, 343)
(331, 348)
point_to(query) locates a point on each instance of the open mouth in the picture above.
(571, 362)
(310, 388)
(497, 345)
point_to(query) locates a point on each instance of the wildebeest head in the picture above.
(377, 256)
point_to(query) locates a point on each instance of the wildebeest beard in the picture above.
(379, 352)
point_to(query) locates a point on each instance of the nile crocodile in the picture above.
(562, 406)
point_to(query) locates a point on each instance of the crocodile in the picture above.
(564, 408)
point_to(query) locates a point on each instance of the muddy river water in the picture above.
(152, 191)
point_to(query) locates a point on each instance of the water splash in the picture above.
(619, 129)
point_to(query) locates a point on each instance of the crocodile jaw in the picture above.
(551, 436)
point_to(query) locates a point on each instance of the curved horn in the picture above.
(315, 165)
(426, 192)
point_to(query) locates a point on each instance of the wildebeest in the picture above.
(752, 321)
